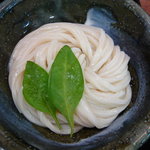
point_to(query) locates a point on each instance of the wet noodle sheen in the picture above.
(105, 67)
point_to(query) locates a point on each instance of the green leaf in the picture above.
(35, 89)
(66, 84)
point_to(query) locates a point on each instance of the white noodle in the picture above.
(107, 90)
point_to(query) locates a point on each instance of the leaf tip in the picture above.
(58, 123)
(71, 131)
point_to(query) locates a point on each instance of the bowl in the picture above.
(129, 27)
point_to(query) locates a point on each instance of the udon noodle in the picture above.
(107, 90)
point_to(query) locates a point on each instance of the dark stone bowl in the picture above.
(126, 23)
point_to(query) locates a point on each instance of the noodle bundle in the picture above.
(105, 68)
